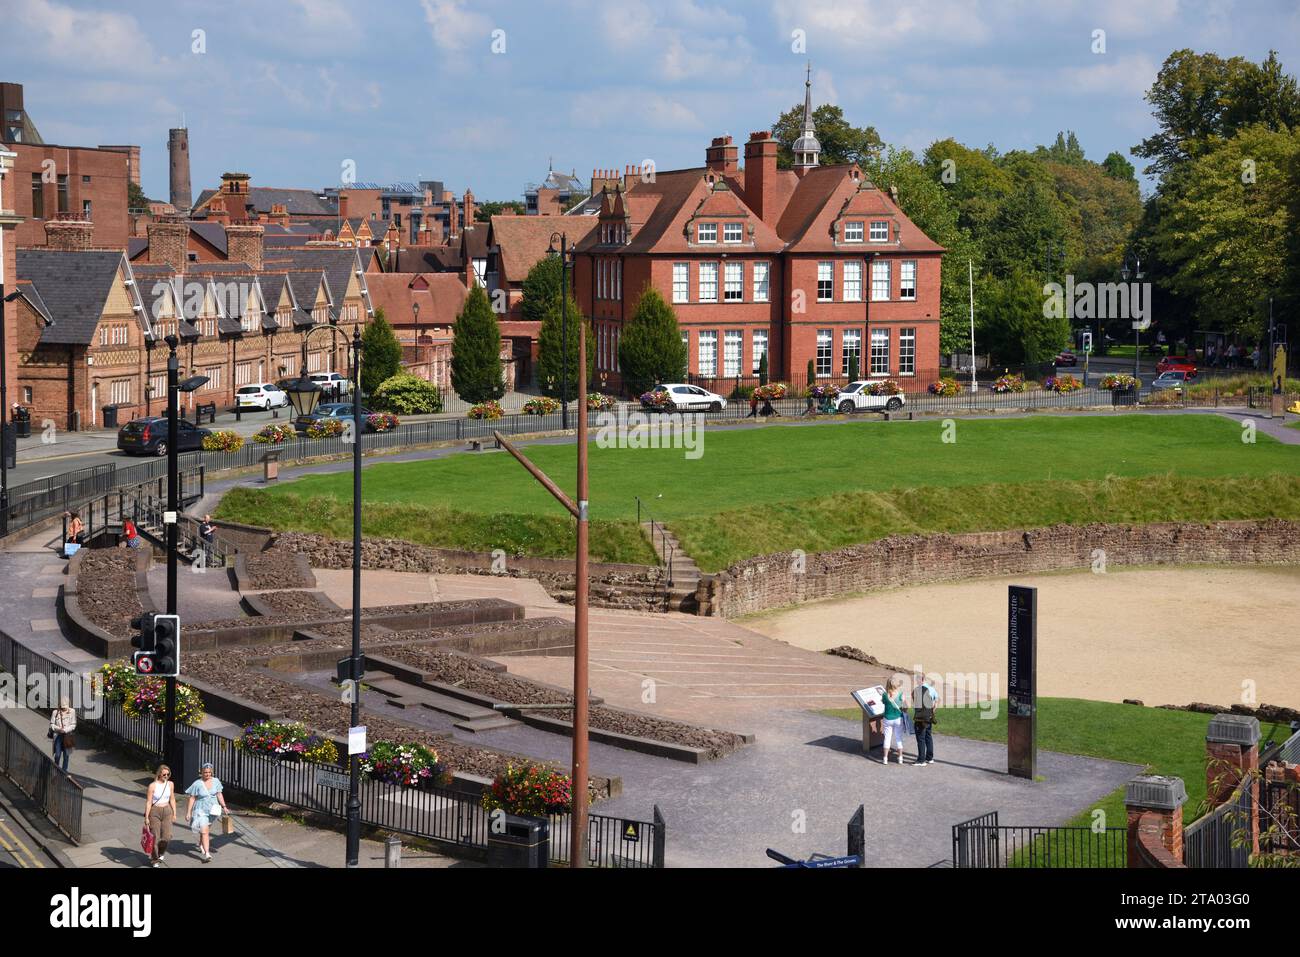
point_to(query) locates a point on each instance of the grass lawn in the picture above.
(1164, 742)
(815, 487)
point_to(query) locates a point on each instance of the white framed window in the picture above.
(880, 281)
(706, 233)
(824, 346)
(158, 385)
(907, 351)
(732, 232)
(480, 272)
(853, 282)
(708, 352)
(681, 282)
(825, 282)
(686, 343)
(880, 352)
(762, 282)
(708, 282)
(853, 232)
(243, 373)
(214, 379)
(119, 392)
(248, 322)
(760, 348)
(880, 230)
(851, 348)
(907, 279)
(103, 335)
(733, 347)
(315, 362)
(733, 289)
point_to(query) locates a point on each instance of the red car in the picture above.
(1177, 364)
(1066, 358)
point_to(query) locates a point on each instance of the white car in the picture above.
(329, 381)
(691, 398)
(855, 397)
(263, 395)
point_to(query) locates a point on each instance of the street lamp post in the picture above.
(1137, 327)
(564, 323)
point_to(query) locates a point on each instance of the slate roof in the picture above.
(337, 262)
(73, 286)
(297, 202)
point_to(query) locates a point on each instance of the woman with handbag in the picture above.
(63, 722)
(207, 804)
(893, 718)
(159, 813)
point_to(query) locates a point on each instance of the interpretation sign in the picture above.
(1022, 684)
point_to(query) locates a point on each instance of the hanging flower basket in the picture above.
(656, 399)
(599, 402)
(274, 434)
(541, 406)
(406, 765)
(1118, 382)
(773, 390)
(325, 428)
(531, 791)
(1009, 383)
(288, 741)
(884, 387)
(382, 421)
(487, 410)
(825, 390)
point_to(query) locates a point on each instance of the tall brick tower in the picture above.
(178, 151)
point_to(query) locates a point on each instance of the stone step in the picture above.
(487, 723)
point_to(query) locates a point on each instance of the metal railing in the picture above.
(612, 841)
(983, 843)
(36, 774)
(1222, 837)
(665, 551)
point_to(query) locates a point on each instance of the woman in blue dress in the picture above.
(206, 805)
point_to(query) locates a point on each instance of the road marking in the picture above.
(23, 847)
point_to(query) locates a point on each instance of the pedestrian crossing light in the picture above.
(167, 645)
(145, 642)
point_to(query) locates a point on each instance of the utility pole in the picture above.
(578, 836)
(354, 760)
(970, 276)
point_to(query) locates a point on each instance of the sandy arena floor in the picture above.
(1163, 636)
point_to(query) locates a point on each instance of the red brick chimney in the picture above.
(169, 238)
(218, 212)
(721, 155)
(760, 176)
(469, 209)
(279, 214)
(343, 204)
(68, 233)
(244, 242)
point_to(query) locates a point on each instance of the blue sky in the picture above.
(290, 91)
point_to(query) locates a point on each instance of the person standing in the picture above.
(206, 805)
(63, 722)
(924, 700)
(160, 812)
(893, 718)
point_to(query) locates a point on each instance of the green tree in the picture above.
(1117, 167)
(484, 212)
(973, 179)
(841, 142)
(381, 353)
(1065, 150)
(476, 351)
(556, 354)
(650, 349)
(1012, 323)
(541, 289)
(135, 197)
(406, 394)
(762, 368)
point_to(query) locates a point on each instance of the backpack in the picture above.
(924, 700)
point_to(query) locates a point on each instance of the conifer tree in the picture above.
(476, 351)
(650, 349)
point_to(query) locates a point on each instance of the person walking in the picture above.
(205, 806)
(924, 701)
(753, 406)
(76, 531)
(63, 722)
(893, 718)
(160, 813)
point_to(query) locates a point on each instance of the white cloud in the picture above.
(454, 28)
(1127, 76)
(878, 24)
(631, 109)
(85, 41)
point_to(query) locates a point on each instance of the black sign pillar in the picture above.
(1022, 683)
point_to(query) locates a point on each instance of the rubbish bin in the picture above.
(110, 416)
(183, 755)
(523, 842)
(270, 467)
(23, 422)
(1122, 397)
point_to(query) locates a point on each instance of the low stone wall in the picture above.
(777, 580)
(105, 590)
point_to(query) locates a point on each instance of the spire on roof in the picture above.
(807, 150)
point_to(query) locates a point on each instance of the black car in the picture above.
(332, 410)
(149, 436)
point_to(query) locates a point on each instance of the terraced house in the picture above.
(813, 263)
(91, 324)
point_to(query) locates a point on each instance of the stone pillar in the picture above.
(1155, 820)
(1232, 756)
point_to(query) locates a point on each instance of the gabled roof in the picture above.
(827, 194)
(663, 201)
(339, 263)
(474, 241)
(297, 202)
(522, 241)
(440, 297)
(73, 285)
(428, 259)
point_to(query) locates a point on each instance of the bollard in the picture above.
(393, 852)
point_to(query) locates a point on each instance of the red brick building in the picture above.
(811, 263)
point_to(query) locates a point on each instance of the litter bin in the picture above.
(270, 467)
(183, 755)
(523, 842)
(110, 416)
(1122, 397)
(23, 422)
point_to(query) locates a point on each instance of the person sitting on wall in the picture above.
(130, 535)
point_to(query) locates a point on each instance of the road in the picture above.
(18, 848)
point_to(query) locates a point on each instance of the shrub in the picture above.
(223, 440)
(884, 387)
(542, 406)
(599, 402)
(325, 428)
(274, 434)
(1164, 397)
(487, 410)
(1118, 381)
(945, 387)
(742, 392)
(408, 765)
(407, 394)
(529, 790)
(382, 421)
(289, 740)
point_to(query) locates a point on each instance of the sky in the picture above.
(486, 94)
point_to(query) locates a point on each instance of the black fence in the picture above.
(983, 843)
(36, 774)
(611, 841)
(1222, 838)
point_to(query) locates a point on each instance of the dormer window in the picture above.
(706, 233)
(853, 232)
(880, 230)
(731, 232)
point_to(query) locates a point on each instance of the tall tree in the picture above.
(484, 212)
(541, 288)
(381, 353)
(650, 350)
(1117, 167)
(555, 353)
(1013, 324)
(974, 180)
(840, 141)
(476, 351)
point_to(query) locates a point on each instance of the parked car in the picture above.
(149, 436)
(329, 381)
(1066, 358)
(264, 395)
(332, 410)
(1173, 379)
(1177, 364)
(691, 398)
(856, 398)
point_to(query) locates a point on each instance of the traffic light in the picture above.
(167, 645)
(145, 641)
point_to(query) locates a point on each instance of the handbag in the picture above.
(227, 824)
(146, 840)
(49, 733)
(70, 549)
(69, 741)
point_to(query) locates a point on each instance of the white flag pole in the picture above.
(970, 270)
